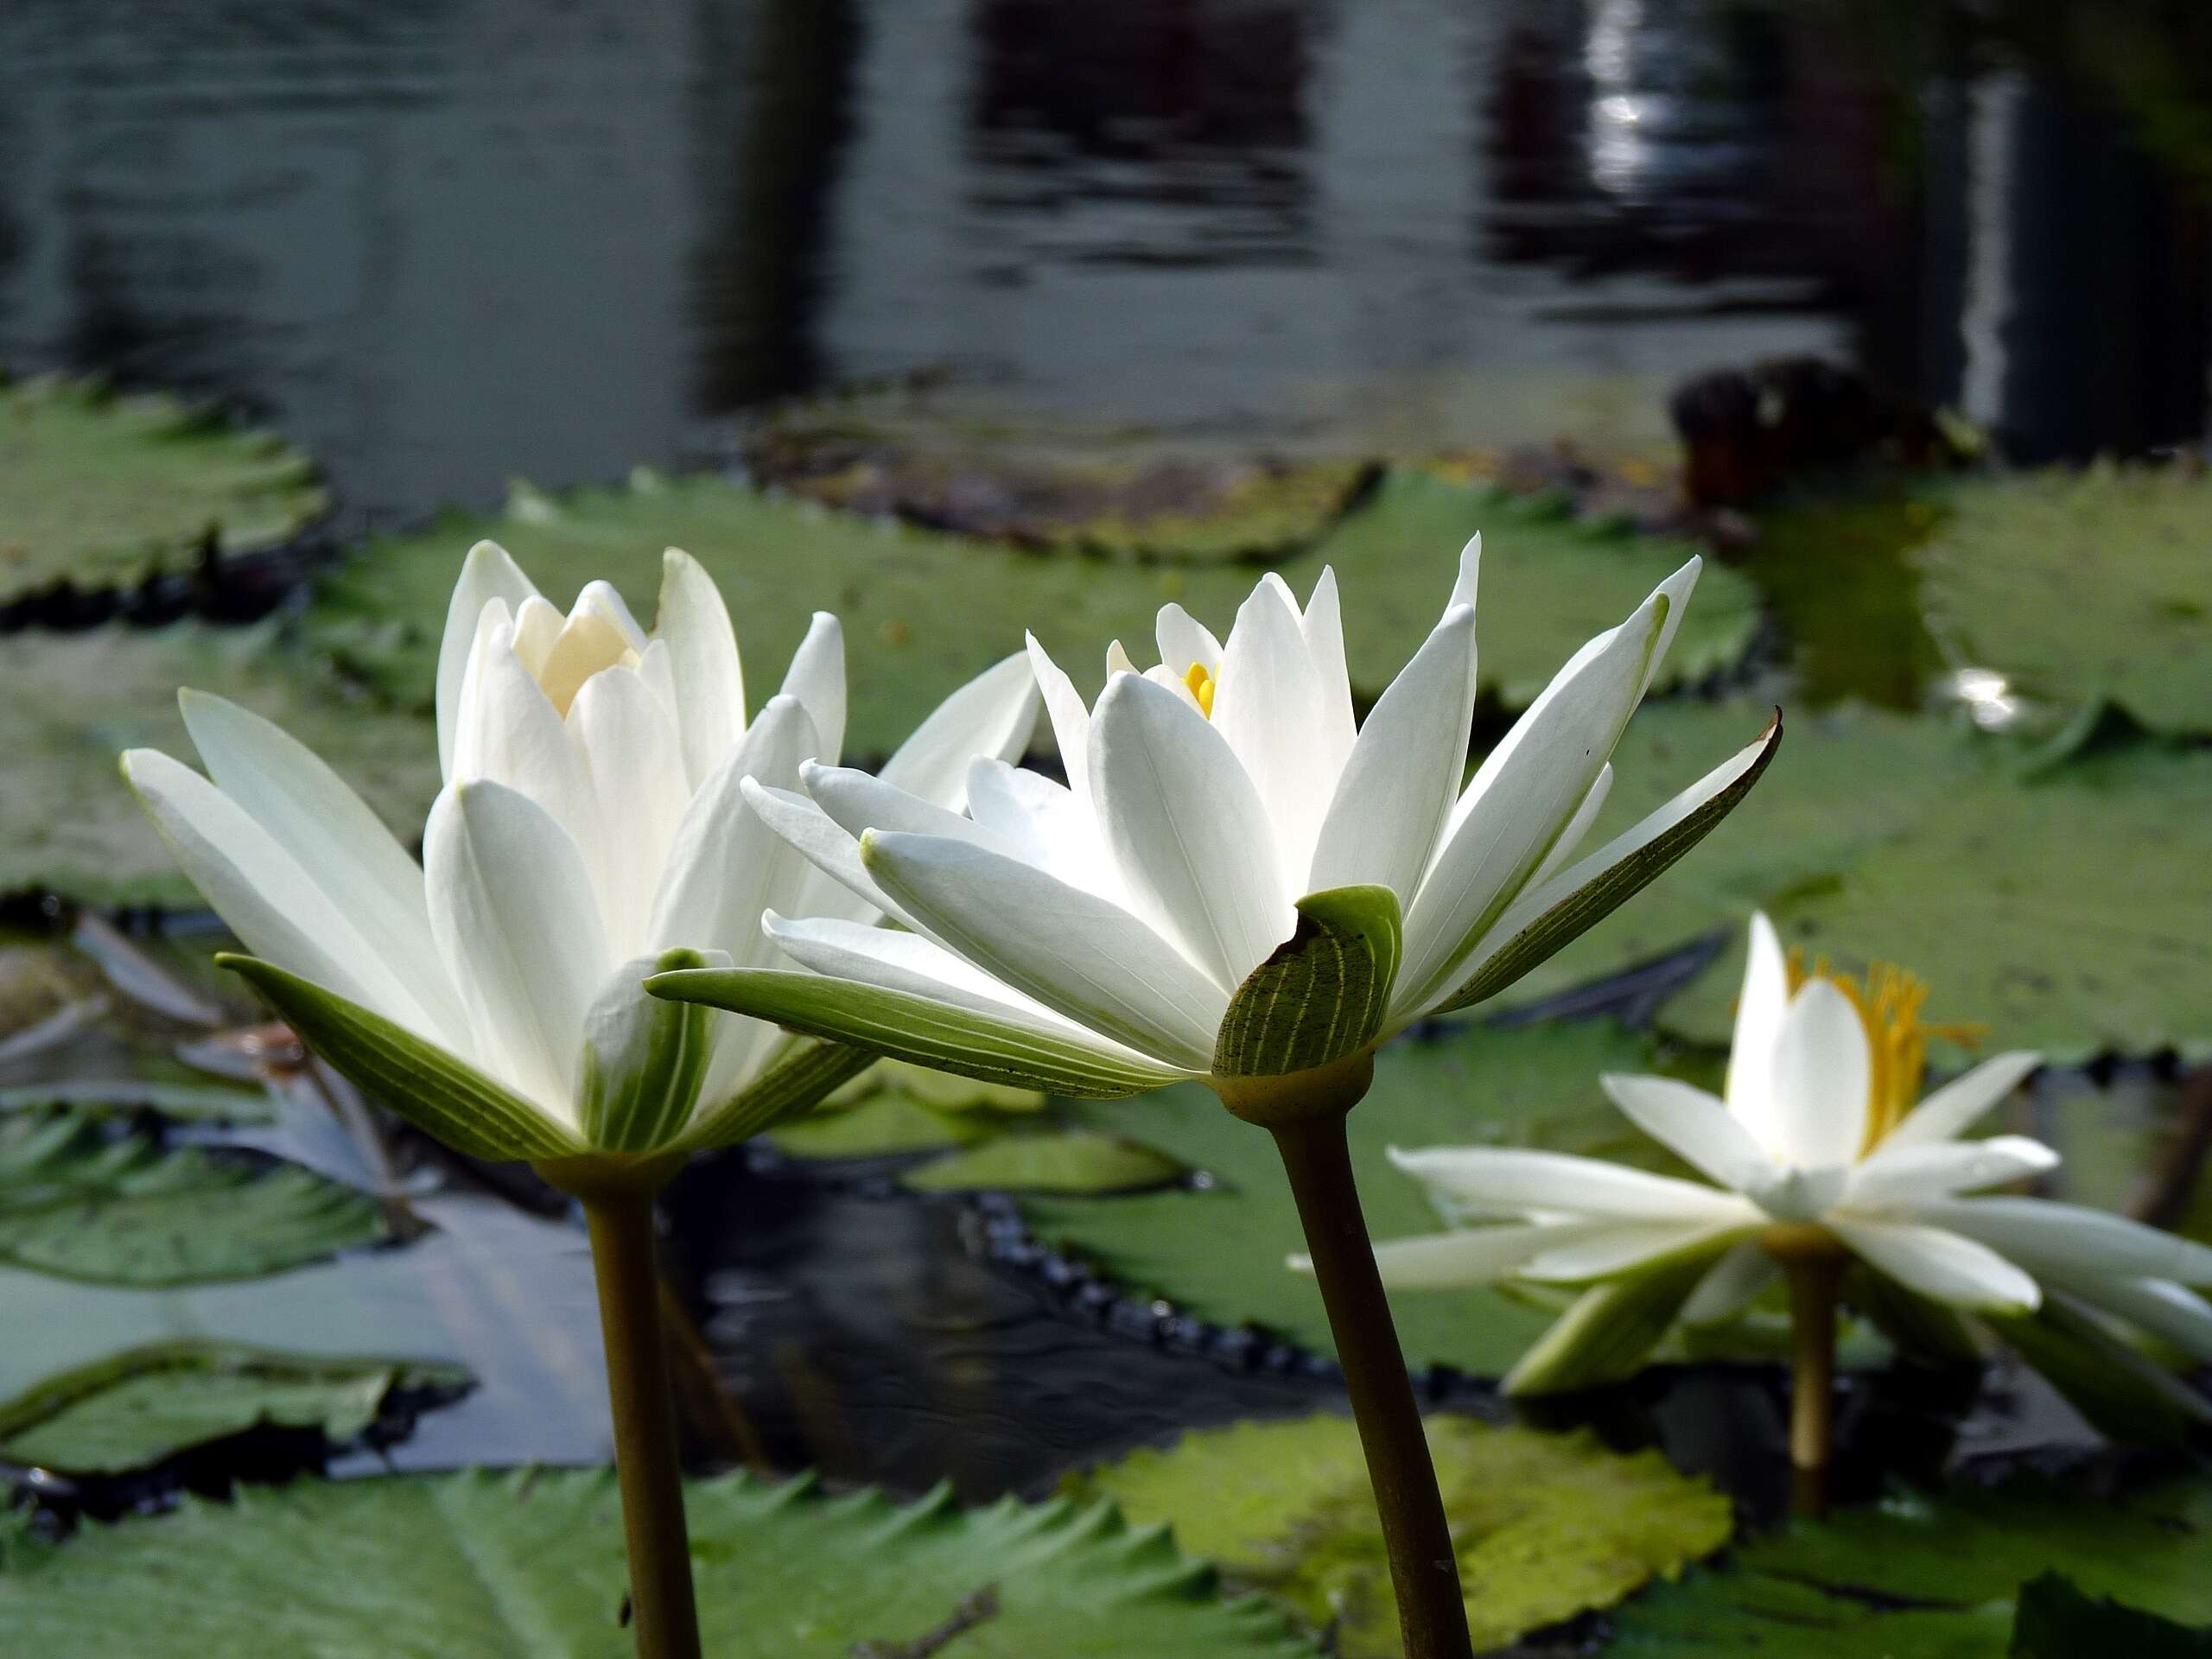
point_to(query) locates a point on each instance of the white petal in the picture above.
(1577, 828)
(1043, 824)
(635, 756)
(825, 844)
(1187, 831)
(1908, 1175)
(1759, 1009)
(2073, 1240)
(1323, 625)
(337, 841)
(512, 906)
(1696, 1126)
(600, 600)
(486, 574)
(1168, 681)
(1468, 1256)
(860, 801)
(1961, 1102)
(1511, 1180)
(279, 911)
(1820, 1079)
(1183, 640)
(2157, 1306)
(1734, 1283)
(1620, 1249)
(992, 714)
(537, 629)
(1522, 798)
(816, 679)
(1940, 1265)
(693, 623)
(1071, 718)
(1092, 960)
(1267, 702)
(1802, 1194)
(1470, 573)
(510, 733)
(1396, 791)
(1677, 589)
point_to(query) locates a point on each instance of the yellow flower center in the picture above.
(1201, 683)
(1889, 1001)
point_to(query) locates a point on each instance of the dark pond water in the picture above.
(445, 242)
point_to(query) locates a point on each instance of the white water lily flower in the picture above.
(591, 829)
(1819, 1146)
(1106, 936)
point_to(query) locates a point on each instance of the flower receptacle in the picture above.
(1294, 1097)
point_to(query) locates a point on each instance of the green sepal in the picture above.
(1575, 914)
(438, 1093)
(916, 1028)
(805, 1074)
(1322, 995)
(635, 1102)
(2123, 1393)
(1611, 1329)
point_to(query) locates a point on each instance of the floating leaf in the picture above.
(2080, 584)
(1546, 1526)
(1219, 1250)
(105, 490)
(2055, 1620)
(138, 1407)
(71, 703)
(884, 1125)
(1932, 1578)
(77, 1203)
(519, 1566)
(931, 610)
(1079, 1160)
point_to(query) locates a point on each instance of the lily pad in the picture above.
(2055, 1620)
(1933, 1577)
(2081, 585)
(529, 1564)
(1984, 868)
(924, 611)
(1074, 1160)
(70, 704)
(885, 1125)
(136, 1408)
(1218, 1249)
(1546, 1526)
(105, 490)
(81, 1204)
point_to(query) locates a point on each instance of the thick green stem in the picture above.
(666, 1619)
(1814, 1279)
(1424, 1566)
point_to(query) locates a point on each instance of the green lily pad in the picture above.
(885, 1125)
(76, 1202)
(923, 611)
(1075, 1160)
(71, 703)
(106, 490)
(1933, 1578)
(529, 1564)
(2081, 585)
(136, 1408)
(1218, 1249)
(1546, 1526)
(2055, 1620)
(1964, 857)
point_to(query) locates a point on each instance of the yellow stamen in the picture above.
(1889, 1002)
(1201, 683)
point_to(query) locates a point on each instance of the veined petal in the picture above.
(1732, 1285)
(816, 679)
(486, 574)
(512, 908)
(262, 895)
(1520, 800)
(2071, 1239)
(1696, 1126)
(1322, 624)
(1507, 1180)
(1960, 1104)
(2157, 1306)
(1940, 1265)
(819, 839)
(1577, 827)
(1268, 704)
(1072, 951)
(992, 714)
(693, 623)
(1070, 716)
(1184, 639)
(644, 1058)
(337, 841)
(1621, 1248)
(1910, 1174)
(1044, 821)
(1467, 1256)
(1187, 830)
(1822, 1069)
(635, 758)
(1397, 789)
(1759, 1009)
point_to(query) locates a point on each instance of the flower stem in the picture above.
(1424, 1566)
(667, 1621)
(1813, 1278)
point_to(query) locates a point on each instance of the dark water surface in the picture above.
(442, 242)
